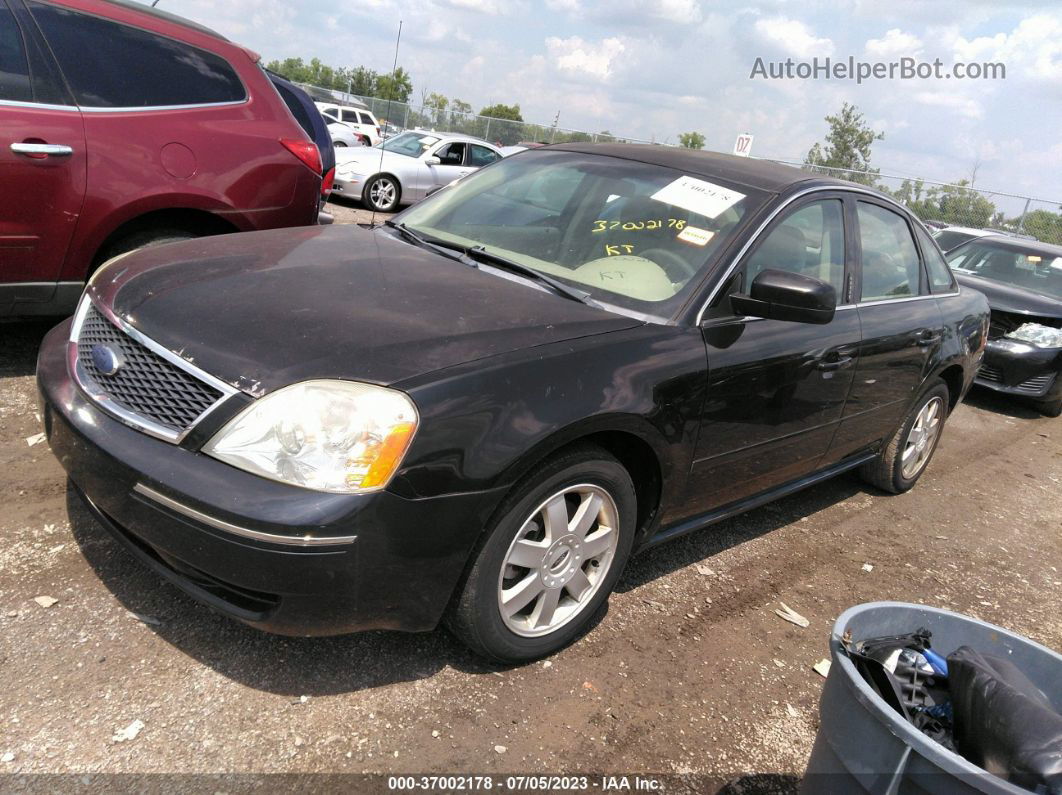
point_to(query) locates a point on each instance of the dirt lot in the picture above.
(690, 671)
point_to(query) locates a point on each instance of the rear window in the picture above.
(949, 240)
(110, 65)
(14, 69)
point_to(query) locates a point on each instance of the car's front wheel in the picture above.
(906, 455)
(382, 193)
(550, 560)
(1051, 408)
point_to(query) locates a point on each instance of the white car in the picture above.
(361, 123)
(407, 167)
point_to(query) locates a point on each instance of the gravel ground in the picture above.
(689, 672)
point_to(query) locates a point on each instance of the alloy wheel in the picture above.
(382, 194)
(558, 560)
(921, 438)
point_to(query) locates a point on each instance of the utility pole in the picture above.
(553, 134)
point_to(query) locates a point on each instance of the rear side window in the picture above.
(890, 260)
(109, 65)
(940, 278)
(14, 68)
(367, 119)
(482, 156)
(351, 116)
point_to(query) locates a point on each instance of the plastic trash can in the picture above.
(863, 745)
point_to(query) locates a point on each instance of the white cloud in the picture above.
(565, 6)
(894, 44)
(793, 37)
(491, 7)
(1034, 47)
(678, 11)
(964, 106)
(577, 56)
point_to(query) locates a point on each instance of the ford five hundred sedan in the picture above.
(477, 411)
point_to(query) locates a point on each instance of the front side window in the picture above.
(632, 234)
(940, 278)
(1011, 263)
(482, 156)
(891, 266)
(14, 68)
(451, 154)
(110, 65)
(809, 241)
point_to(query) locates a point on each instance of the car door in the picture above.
(776, 389)
(902, 326)
(451, 165)
(42, 167)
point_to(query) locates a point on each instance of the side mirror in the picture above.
(432, 161)
(784, 295)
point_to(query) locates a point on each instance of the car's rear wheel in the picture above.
(549, 562)
(147, 238)
(382, 193)
(339, 144)
(906, 455)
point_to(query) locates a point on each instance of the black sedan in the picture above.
(479, 410)
(1023, 283)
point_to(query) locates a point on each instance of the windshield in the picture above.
(411, 144)
(631, 234)
(1038, 271)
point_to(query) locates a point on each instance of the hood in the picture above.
(1011, 298)
(369, 155)
(262, 310)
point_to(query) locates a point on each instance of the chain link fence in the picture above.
(959, 204)
(936, 202)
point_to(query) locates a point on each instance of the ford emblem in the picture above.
(107, 360)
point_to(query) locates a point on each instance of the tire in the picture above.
(564, 603)
(888, 471)
(1051, 408)
(382, 193)
(338, 144)
(147, 238)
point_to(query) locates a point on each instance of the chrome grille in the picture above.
(146, 385)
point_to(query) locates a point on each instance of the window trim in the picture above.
(925, 262)
(923, 278)
(140, 108)
(848, 193)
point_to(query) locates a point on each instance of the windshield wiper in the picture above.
(443, 247)
(503, 263)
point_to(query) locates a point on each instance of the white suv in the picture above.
(359, 120)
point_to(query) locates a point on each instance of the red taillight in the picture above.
(329, 179)
(306, 151)
(379, 131)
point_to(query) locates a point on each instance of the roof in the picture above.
(760, 174)
(166, 16)
(1021, 244)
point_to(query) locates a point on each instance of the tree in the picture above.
(847, 146)
(691, 140)
(955, 204)
(1042, 224)
(508, 132)
(396, 88)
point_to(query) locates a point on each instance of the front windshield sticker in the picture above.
(698, 237)
(698, 196)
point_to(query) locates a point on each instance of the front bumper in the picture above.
(1017, 368)
(394, 562)
(349, 186)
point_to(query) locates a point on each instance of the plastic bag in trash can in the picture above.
(1003, 722)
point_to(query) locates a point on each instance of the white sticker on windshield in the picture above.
(698, 237)
(698, 196)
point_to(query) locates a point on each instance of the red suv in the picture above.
(121, 127)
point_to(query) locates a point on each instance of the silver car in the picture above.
(407, 167)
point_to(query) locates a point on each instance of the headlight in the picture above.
(336, 436)
(1037, 334)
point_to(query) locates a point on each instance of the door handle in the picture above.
(928, 337)
(829, 365)
(43, 150)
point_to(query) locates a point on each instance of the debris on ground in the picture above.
(129, 732)
(8, 757)
(144, 619)
(822, 668)
(37, 438)
(704, 570)
(792, 616)
(868, 567)
(46, 601)
(501, 749)
(793, 711)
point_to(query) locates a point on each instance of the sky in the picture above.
(651, 70)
